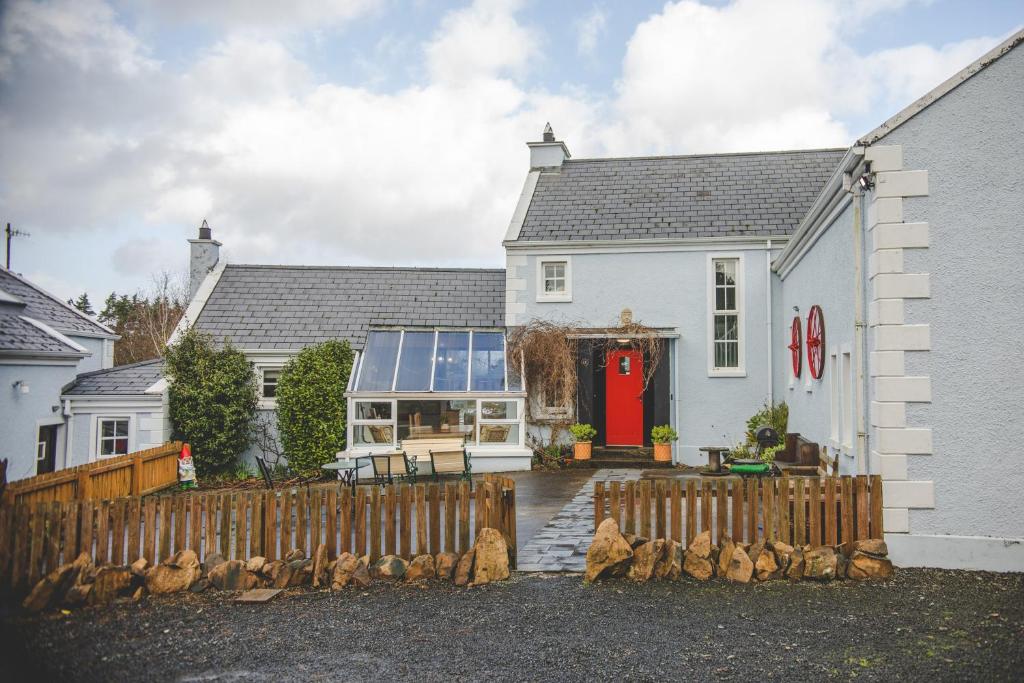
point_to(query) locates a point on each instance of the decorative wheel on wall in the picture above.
(816, 342)
(796, 346)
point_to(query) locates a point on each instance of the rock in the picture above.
(867, 566)
(644, 559)
(389, 567)
(741, 568)
(139, 567)
(783, 553)
(174, 574)
(766, 566)
(795, 570)
(110, 583)
(137, 595)
(670, 566)
(344, 569)
(232, 576)
(608, 551)
(701, 545)
(842, 562)
(294, 554)
(301, 572)
(256, 564)
(271, 569)
(871, 546)
(755, 550)
(444, 565)
(361, 576)
(320, 561)
(698, 567)
(820, 563)
(51, 589)
(199, 586)
(420, 569)
(783, 548)
(77, 594)
(212, 561)
(725, 555)
(635, 541)
(465, 567)
(491, 561)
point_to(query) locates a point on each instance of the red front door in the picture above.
(624, 401)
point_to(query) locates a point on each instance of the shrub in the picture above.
(212, 400)
(582, 432)
(768, 454)
(663, 434)
(311, 415)
(775, 416)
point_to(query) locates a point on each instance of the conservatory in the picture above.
(416, 383)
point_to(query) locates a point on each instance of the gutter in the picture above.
(596, 244)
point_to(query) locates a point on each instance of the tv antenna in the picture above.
(11, 234)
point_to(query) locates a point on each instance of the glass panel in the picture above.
(414, 365)
(498, 410)
(270, 378)
(726, 327)
(107, 427)
(623, 365)
(121, 427)
(364, 435)
(107, 447)
(727, 354)
(378, 366)
(452, 363)
(500, 433)
(373, 410)
(121, 446)
(488, 361)
(730, 299)
(422, 419)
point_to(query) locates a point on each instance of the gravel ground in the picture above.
(923, 624)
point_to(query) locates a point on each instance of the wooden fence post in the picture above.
(659, 509)
(137, 474)
(598, 503)
(676, 510)
(645, 508)
(876, 507)
(630, 507)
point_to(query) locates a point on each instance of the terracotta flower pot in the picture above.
(662, 452)
(581, 450)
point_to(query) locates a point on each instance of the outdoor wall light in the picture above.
(21, 385)
(867, 179)
(796, 309)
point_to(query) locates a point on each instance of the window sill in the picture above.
(266, 404)
(555, 299)
(727, 373)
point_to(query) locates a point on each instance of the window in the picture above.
(385, 423)
(46, 449)
(377, 369)
(488, 367)
(451, 361)
(373, 423)
(270, 378)
(554, 280)
(113, 437)
(415, 361)
(499, 422)
(726, 320)
(847, 403)
(422, 419)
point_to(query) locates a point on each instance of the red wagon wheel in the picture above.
(816, 342)
(796, 346)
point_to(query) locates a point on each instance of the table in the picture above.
(346, 468)
(714, 456)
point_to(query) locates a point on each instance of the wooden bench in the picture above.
(389, 466)
(447, 454)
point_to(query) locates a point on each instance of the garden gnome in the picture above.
(186, 469)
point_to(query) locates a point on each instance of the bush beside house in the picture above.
(212, 400)
(311, 409)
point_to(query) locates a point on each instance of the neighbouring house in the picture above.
(115, 411)
(44, 344)
(429, 343)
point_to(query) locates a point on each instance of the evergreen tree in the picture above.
(83, 304)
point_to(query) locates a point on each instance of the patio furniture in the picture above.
(419, 448)
(389, 466)
(451, 462)
(714, 457)
(347, 468)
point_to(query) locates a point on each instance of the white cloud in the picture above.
(483, 40)
(260, 14)
(589, 30)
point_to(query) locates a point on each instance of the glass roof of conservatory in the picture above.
(450, 361)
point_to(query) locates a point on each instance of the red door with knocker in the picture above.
(624, 398)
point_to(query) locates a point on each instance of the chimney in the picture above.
(203, 256)
(549, 153)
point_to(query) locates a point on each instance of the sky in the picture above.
(391, 132)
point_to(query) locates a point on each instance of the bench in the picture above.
(447, 454)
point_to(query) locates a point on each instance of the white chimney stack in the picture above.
(548, 153)
(203, 256)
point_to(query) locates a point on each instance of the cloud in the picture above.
(483, 40)
(259, 14)
(589, 30)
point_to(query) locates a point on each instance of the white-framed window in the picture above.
(270, 378)
(499, 422)
(846, 404)
(373, 422)
(112, 436)
(382, 422)
(549, 407)
(554, 279)
(725, 316)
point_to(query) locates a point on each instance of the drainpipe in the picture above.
(768, 305)
(860, 328)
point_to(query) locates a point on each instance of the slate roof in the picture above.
(711, 195)
(124, 380)
(288, 307)
(47, 308)
(19, 335)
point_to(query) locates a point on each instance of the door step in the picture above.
(610, 463)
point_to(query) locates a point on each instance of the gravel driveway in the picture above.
(937, 625)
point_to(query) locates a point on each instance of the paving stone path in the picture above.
(561, 546)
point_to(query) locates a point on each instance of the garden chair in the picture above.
(389, 466)
(452, 463)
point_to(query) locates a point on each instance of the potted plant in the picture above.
(663, 436)
(584, 435)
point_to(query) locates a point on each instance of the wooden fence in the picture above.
(134, 474)
(404, 520)
(795, 510)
